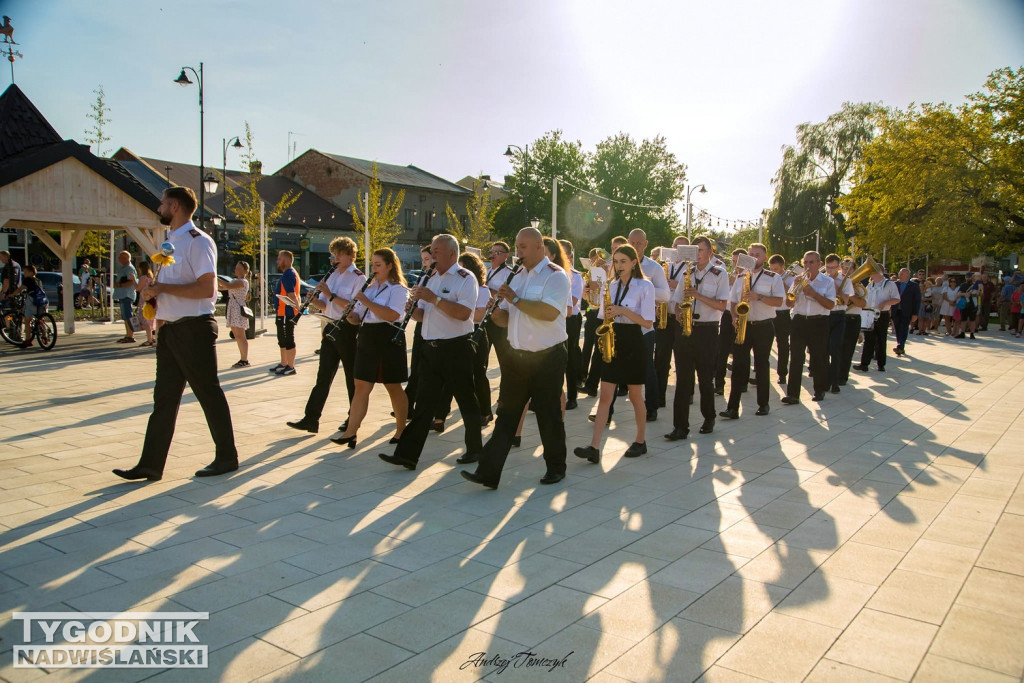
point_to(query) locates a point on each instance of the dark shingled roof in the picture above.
(404, 176)
(317, 211)
(22, 127)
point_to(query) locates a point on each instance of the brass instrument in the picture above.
(686, 308)
(865, 269)
(742, 311)
(594, 298)
(661, 308)
(794, 290)
(606, 331)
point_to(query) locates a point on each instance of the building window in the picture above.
(407, 218)
(428, 221)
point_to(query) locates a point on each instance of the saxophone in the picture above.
(686, 308)
(742, 311)
(606, 331)
(661, 308)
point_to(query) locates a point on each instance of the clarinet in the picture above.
(400, 334)
(309, 298)
(336, 325)
(479, 332)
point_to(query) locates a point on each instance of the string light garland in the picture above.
(609, 199)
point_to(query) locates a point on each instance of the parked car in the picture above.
(53, 286)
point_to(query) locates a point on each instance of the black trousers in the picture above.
(187, 352)
(698, 352)
(874, 341)
(414, 364)
(902, 324)
(726, 337)
(836, 335)
(809, 335)
(783, 324)
(341, 351)
(850, 334)
(760, 336)
(443, 361)
(497, 336)
(574, 359)
(664, 345)
(591, 355)
(536, 377)
(481, 385)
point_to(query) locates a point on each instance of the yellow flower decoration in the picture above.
(148, 312)
(161, 260)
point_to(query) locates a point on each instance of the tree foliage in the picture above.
(98, 113)
(817, 171)
(383, 217)
(245, 203)
(480, 211)
(945, 180)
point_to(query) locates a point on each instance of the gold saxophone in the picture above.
(686, 308)
(661, 308)
(742, 311)
(605, 331)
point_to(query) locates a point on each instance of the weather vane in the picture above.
(7, 46)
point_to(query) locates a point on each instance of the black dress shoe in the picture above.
(343, 427)
(881, 369)
(571, 405)
(752, 381)
(818, 397)
(468, 458)
(305, 425)
(394, 460)
(136, 473)
(590, 392)
(216, 468)
(762, 410)
(552, 478)
(588, 453)
(661, 403)
(476, 479)
(652, 415)
(834, 389)
(437, 426)
(394, 440)
(517, 441)
(593, 418)
(730, 414)
(720, 391)
(707, 427)
(636, 449)
(349, 441)
(782, 381)
(843, 382)
(677, 434)
(862, 368)
(791, 400)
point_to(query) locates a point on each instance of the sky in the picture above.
(446, 85)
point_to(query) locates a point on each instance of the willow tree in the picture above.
(382, 219)
(817, 171)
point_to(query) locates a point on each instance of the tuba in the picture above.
(606, 331)
(686, 308)
(661, 308)
(865, 269)
(742, 311)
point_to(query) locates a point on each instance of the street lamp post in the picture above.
(206, 182)
(235, 143)
(689, 209)
(526, 177)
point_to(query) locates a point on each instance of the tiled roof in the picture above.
(22, 127)
(317, 211)
(404, 176)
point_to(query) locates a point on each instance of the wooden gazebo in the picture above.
(49, 185)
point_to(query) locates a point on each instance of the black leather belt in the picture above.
(188, 319)
(441, 342)
(706, 324)
(760, 322)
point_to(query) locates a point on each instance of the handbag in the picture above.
(248, 313)
(135, 322)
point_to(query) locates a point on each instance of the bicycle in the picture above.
(13, 314)
(43, 329)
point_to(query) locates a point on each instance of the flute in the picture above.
(336, 325)
(479, 332)
(422, 281)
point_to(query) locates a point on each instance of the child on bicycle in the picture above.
(35, 300)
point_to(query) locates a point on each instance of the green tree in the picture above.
(817, 171)
(245, 202)
(945, 180)
(480, 212)
(383, 217)
(96, 135)
(644, 175)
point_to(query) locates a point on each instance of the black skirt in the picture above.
(629, 366)
(379, 360)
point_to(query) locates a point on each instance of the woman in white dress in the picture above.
(237, 290)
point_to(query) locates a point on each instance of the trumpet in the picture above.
(400, 334)
(686, 308)
(742, 311)
(794, 290)
(336, 324)
(606, 331)
(661, 308)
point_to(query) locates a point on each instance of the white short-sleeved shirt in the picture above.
(483, 296)
(496, 276)
(712, 282)
(390, 294)
(455, 284)
(847, 290)
(655, 274)
(575, 291)
(344, 286)
(787, 282)
(879, 292)
(806, 306)
(549, 284)
(637, 295)
(765, 283)
(195, 255)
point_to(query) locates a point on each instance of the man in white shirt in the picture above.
(573, 327)
(881, 296)
(854, 305)
(533, 311)
(445, 305)
(783, 319)
(498, 270)
(810, 330)
(654, 272)
(185, 294)
(837, 321)
(665, 340)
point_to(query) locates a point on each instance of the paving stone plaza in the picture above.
(877, 535)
